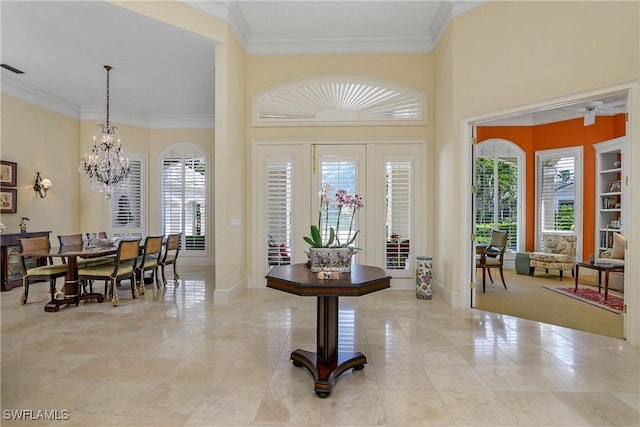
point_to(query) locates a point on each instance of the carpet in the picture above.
(591, 296)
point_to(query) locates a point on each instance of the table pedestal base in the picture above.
(325, 374)
(72, 288)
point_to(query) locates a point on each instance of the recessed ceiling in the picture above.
(163, 76)
(159, 71)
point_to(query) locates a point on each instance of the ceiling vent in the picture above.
(12, 69)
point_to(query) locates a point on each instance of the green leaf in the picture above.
(310, 242)
(353, 238)
(315, 235)
(332, 236)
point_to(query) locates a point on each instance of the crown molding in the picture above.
(329, 45)
(98, 113)
(215, 8)
(12, 86)
(441, 21)
(182, 122)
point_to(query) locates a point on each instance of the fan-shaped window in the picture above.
(338, 101)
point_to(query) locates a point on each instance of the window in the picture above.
(558, 190)
(183, 195)
(499, 171)
(341, 174)
(128, 204)
(348, 100)
(278, 180)
(398, 214)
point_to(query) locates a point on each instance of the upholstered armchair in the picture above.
(558, 252)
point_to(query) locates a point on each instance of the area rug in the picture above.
(613, 303)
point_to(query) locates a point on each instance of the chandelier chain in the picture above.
(108, 68)
(105, 169)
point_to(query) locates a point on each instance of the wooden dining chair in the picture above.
(99, 235)
(76, 240)
(45, 270)
(170, 256)
(494, 258)
(149, 260)
(123, 268)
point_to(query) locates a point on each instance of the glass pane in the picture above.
(183, 201)
(497, 171)
(340, 175)
(557, 194)
(398, 221)
(485, 199)
(278, 213)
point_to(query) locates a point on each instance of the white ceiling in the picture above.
(163, 76)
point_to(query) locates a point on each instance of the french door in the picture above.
(339, 168)
(286, 185)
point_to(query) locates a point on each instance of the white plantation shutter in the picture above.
(499, 191)
(556, 189)
(348, 100)
(172, 200)
(341, 174)
(558, 192)
(398, 213)
(128, 204)
(279, 202)
(183, 196)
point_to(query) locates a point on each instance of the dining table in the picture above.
(72, 290)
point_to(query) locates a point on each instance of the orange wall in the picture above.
(569, 133)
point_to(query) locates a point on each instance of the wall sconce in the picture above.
(42, 185)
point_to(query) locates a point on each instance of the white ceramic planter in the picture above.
(338, 258)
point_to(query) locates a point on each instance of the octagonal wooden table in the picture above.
(326, 365)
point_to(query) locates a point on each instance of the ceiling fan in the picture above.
(591, 109)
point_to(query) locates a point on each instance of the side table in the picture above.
(326, 365)
(600, 267)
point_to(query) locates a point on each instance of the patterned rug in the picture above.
(614, 303)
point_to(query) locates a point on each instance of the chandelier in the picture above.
(105, 169)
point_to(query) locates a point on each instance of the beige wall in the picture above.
(505, 54)
(447, 277)
(40, 140)
(231, 172)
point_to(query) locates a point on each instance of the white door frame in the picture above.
(467, 125)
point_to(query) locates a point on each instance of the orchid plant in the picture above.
(345, 203)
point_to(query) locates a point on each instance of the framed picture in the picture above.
(8, 171)
(8, 200)
(614, 187)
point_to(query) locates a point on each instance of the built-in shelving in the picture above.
(609, 192)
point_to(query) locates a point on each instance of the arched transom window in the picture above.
(338, 101)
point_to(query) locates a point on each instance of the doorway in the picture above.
(388, 175)
(588, 110)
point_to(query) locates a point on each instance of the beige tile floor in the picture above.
(172, 358)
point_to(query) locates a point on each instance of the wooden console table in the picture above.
(326, 365)
(10, 268)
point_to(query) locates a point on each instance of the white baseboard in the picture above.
(225, 296)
